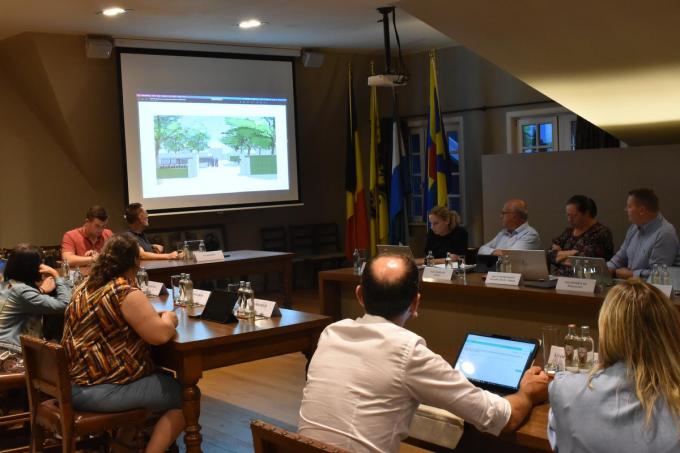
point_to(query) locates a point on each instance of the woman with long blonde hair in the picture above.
(630, 401)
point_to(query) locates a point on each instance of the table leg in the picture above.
(191, 406)
(329, 295)
(189, 371)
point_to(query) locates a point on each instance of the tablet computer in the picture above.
(495, 362)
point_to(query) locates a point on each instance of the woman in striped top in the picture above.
(109, 325)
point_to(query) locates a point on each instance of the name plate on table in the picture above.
(578, 285)
(155, 288)
(431, 273)
(267, 308)
(666, 289)
(201, 296)
(503, 278)
(207, 257)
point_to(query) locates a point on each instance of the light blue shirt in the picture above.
(523, 237)
(607, 417)
(21, 307)
(655, 242)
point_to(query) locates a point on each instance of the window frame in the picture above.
(560, 117)
(419, 126)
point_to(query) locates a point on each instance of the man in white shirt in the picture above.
(368, 375)
(516, 233)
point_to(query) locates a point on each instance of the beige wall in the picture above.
(60, 143)
(547, 180)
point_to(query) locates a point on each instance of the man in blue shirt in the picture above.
(649, 240)
(516, 233)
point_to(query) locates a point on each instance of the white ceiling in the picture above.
(614, 62)
(317, 24)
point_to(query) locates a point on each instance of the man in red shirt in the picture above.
(80, 246)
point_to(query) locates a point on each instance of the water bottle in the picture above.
(665, 275)
(182, 298)
(77, 277)
(65, 270)
(655, 278)
(448, 263)
(356, 259)
(241, 299)
(250, 302)
(461, 269)
(201, 246)
(570, 348)
(507, 264)
(586, 347)
(429, 259)
(500, 265)
(186, 253)
(188, 291)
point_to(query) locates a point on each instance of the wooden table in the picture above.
(237, 263)
(204, 345)
(449, 310)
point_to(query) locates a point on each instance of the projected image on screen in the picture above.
(195, 145)
(208, 132)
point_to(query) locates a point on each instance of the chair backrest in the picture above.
(272, 439)
(327, 238)
(302, 239)
(274, 239)
(46, 373)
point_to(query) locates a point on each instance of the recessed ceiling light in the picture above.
(251, 23)
(113, 11)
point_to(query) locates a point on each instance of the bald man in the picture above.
(368, 375)
(516, 233)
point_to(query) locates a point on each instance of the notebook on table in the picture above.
(494, 362)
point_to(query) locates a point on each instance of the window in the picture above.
(417, 141)
(540, 130)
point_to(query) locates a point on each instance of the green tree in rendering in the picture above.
(168, 132)
(246, 134)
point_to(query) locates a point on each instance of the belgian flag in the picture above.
(356, 233)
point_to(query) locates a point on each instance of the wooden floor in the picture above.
(269, 390)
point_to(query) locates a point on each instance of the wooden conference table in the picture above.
(449, 310)
(235, 264)
(204, 345)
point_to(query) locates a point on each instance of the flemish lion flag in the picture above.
(355, 199)
(436, 190)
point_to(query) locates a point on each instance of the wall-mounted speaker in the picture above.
(312, 59)
(98, 46)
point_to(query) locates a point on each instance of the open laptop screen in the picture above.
(495, 363)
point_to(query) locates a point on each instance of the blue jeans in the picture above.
(157, 392)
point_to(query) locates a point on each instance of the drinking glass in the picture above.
(174, 284)
(549, 339)
(363, 254)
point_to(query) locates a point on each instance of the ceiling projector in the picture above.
(387, 80)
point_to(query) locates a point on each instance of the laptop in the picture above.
(604, 276)
(496, 363)
(675, 278)
(395, 250)
(532, 264)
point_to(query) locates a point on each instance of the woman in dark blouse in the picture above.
(585, 236)
(445, 234)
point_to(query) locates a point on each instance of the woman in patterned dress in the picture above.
(109, 326)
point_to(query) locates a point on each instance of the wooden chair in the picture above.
(274, 239)
(303, 245)
(14, 420)
(272, 439)
(47, 374)
(328, 254)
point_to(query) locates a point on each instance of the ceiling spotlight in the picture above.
(113, 11)
(251, 23)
